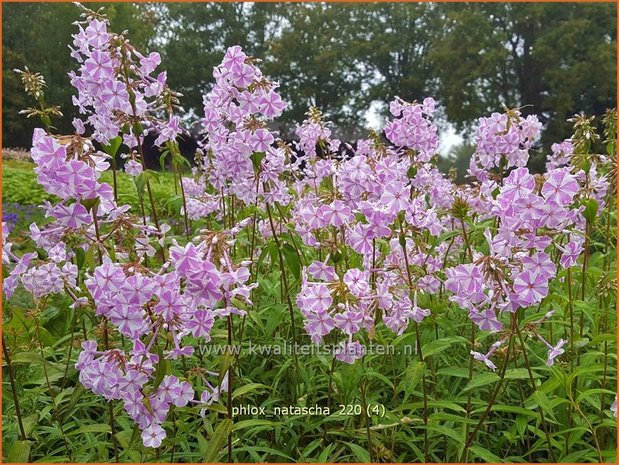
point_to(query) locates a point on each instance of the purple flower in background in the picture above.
(271, 105)
(185, 394)
(319, 324)
(170, 131)
(349, 351)
(518, 184)
(349, 321)
(486, 357)
(169, 389)
(115, 95)
(571, 252)
(359, 239)
(133, 168)
(540, 263)
(201, 323)
(149, 63)
(318, 298)
(357, 281)
(99, 66)
(336, 214)
(396, 197)
(464, 279)
(483, 358)
(322, 271)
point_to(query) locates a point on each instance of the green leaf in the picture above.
(89, 204)
(362, 455)
(244, 424)
(447, 431)
(225, 363)
(20, 452)
(80, 257)
(412, 377)
(138, 129)
(257, 158)
(326, 453)
(248, 388)
(481, 380)
(292, 260)
(100, 428)
(439, 345)
(485, 454)
(218, 440)
(30, 422)
(591, 208)
(519, 373)
(78, 392)
(142, 179)
(162, 158)
(544, 403)
(112, 148)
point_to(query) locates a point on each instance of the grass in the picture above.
(19, 185)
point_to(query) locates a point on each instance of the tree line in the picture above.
(552, 59)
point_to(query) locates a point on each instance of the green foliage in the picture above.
(65, 422)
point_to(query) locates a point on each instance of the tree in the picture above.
(394, 41)
(551, 59)
(316, 59)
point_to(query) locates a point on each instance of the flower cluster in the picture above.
(119, 91)
(370, 206)
(503, 140)
(173, 305)
(378, 236)
(236, 115)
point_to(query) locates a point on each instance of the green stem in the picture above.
(534, 387)
(493, 396)
(229, 402)
(9, 365)
(368, 419)
(419, 351)
(180, 180)
(286, 289)
(469, 395)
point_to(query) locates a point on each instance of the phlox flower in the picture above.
(133, 168)
(322, 271)
(396, 197)
(571, 252)
(540, 263)
(357, 282)
(530, 287)
(349, 321)
(555, 351)
(349, 351)
(153, 435)
(318, 324)
(560, 187)
(486, 320)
